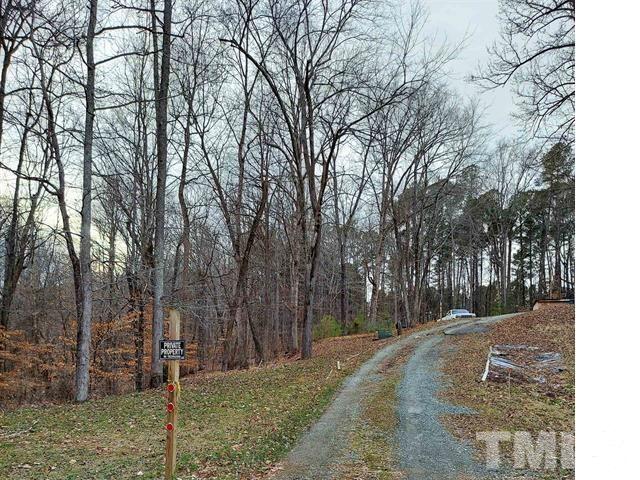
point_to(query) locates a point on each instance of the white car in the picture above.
(458, 313)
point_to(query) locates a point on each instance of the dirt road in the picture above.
(425, 450)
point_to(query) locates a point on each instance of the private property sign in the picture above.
(172, 349)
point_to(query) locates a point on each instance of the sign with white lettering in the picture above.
(172, 349)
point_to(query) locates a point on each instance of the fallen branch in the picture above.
(352, 357)
(21, 432)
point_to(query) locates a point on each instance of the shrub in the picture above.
(357, 325)
(328, 327)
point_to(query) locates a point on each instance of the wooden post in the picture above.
(173, 389)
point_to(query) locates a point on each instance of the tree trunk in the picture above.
(557, 271)
(508, 270)
(294, 337)
(340, 234)
(139, 344)
(542, 282)
(16, 237)
(161, 85)
(375, 281)
(84, 322)
(310, 287)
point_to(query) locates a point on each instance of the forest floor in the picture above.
(231, 425)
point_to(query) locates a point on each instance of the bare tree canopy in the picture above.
(279, 171)
(536, 57)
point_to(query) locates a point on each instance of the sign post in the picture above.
(172, 350)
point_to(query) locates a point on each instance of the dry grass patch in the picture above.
(513, 406)
(231, 425)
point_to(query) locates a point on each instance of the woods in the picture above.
(266, 167)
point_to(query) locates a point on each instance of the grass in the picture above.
(232, 425)
(514, 407)
(373, 439)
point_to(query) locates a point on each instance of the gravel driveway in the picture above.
(426, 450)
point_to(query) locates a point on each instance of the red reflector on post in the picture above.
(171, 387)
(169, 427)
(170, 407)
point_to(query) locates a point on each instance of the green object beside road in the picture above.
(384, 333)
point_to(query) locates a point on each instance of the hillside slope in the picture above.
(231, 425)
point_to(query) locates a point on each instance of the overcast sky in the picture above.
(476, 19)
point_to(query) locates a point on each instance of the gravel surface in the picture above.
(321, 448)
(478, 326)
(424, 442)
(426, 450)
(465, 329)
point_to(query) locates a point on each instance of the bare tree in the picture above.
(14, 32)
(345, 206)
(21, 221)
(84, 323)
(127, 169)
(314, 94)
(536, 55)
(312, 164)
(161, 88)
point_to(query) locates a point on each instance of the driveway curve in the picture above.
(422, 440)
